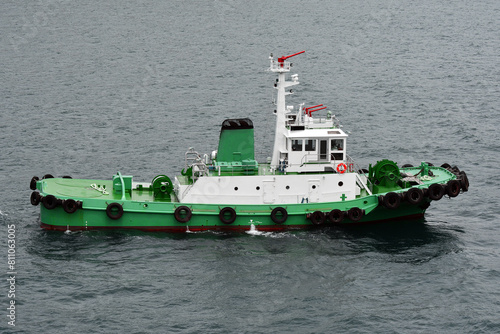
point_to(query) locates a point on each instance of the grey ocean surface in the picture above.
(89, 88)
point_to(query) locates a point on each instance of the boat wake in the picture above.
(254, 231)
(69, 232)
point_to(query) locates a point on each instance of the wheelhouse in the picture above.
(318, 150)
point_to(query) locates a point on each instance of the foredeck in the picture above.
(439, 175)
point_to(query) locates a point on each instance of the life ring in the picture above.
(114, 211)
(35, 198)
(414, 196)
(70, 206)
(464, 181)
(355, 214)
(227, 215)
(392, 200)
(317, 217)
(336, 216)
(33, 182)
(436, 191)
(453, 188)
(279, 215)
(343, 169)
(183, 214)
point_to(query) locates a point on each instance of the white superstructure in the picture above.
(309, 161)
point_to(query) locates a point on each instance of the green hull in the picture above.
(85, 205)
(76, 204)
(206, 217)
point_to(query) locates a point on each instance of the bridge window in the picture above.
(337, 149)
(297, 145)
(337, 144)
(311, 145)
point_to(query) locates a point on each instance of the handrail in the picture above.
(358, 178)
(357, 168)
(191, 156)
(202, 170)
(123, 185)
(305, 158)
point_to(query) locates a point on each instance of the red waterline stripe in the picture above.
(172, 229)
(182, 229)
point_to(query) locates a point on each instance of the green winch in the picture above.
(384, 176)
(162, 187)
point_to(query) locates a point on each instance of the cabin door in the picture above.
(268, 191)
(313, 191)
(323, 150)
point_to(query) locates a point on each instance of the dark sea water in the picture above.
(89, 88)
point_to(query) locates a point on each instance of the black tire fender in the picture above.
(49, 202)
(453, 188)
(464, 181)
(35, 198)
(336, 216)
(33, 182)
(414, 196)
(317, 217)
(183, 214)
(70, 206)
(275, 215)
(436, 191)
(223, 215)
(114, 211)
(392, 200)
(355, 214)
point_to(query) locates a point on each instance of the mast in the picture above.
(281, 67)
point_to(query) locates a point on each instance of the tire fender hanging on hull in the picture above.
(183, 214)
(279, 215)
(227, 215)
(114, 211)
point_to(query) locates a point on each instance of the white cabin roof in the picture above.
(316, 133)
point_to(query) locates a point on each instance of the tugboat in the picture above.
(309, 181)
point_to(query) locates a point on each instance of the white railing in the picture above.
(191, 157)
(305, 159)
(277, 66)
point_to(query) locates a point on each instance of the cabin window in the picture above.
(337, 156)
(311, 145)
(337, 145)
(336, 149)
(297, 145)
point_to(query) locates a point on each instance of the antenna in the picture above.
(283, 58)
